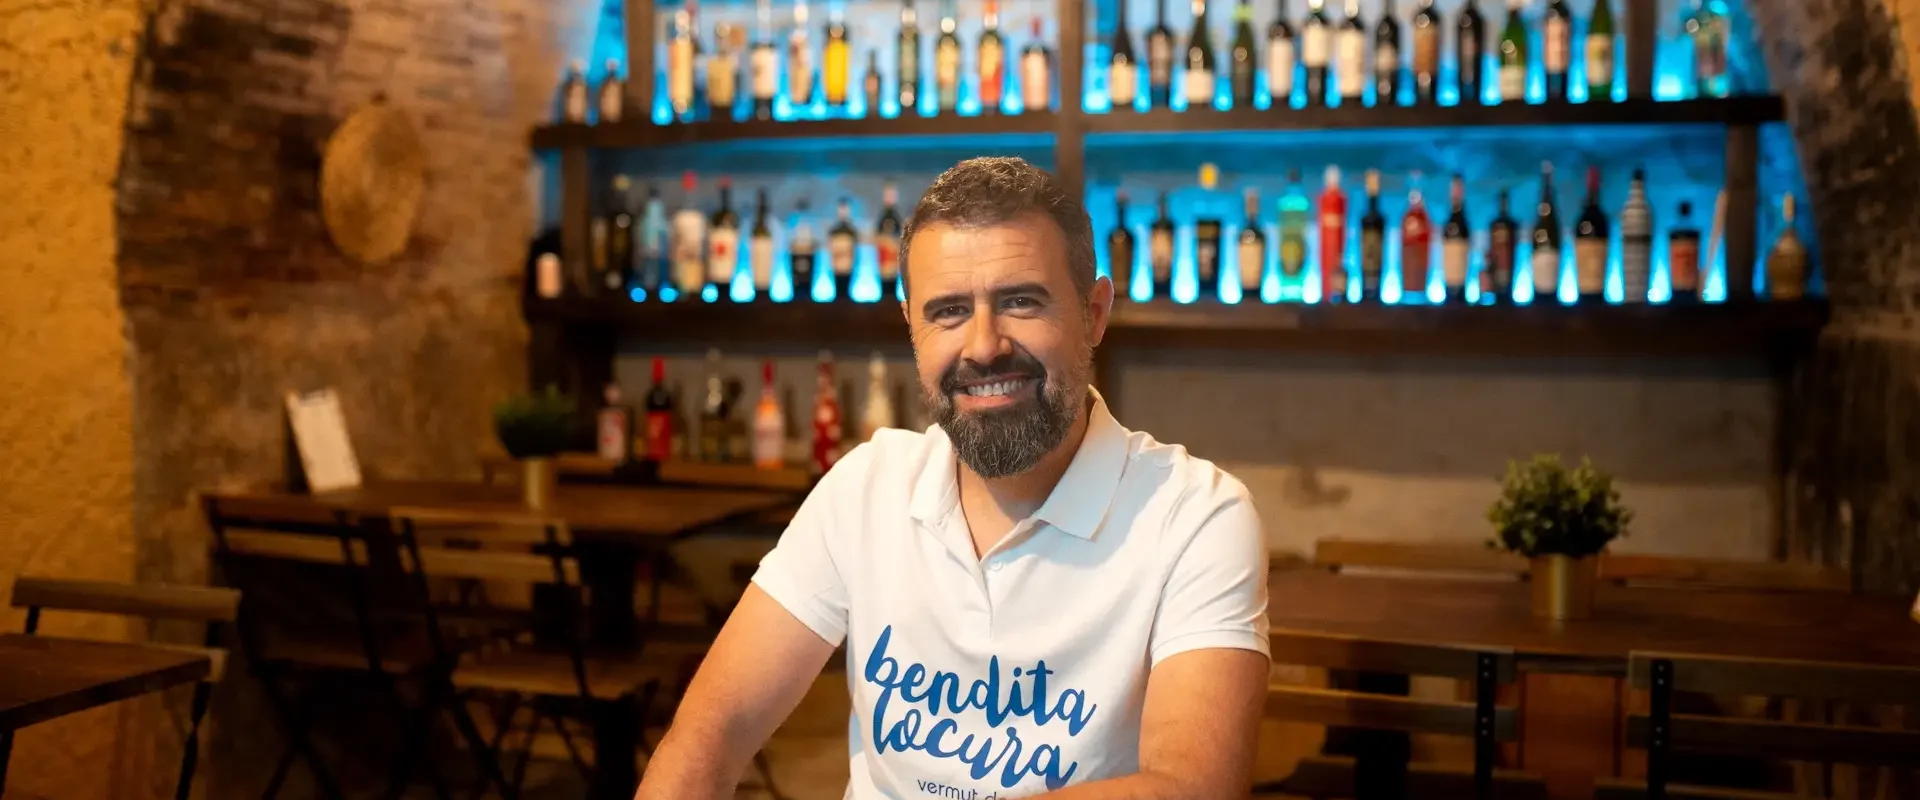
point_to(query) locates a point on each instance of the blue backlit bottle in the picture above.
(1706, 30)
(653, 244)
(1296, 213)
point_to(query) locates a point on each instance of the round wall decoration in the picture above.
(371, 178)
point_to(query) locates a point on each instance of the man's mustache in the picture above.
(1012, 364)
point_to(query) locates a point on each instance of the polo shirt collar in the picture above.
(1078, 503)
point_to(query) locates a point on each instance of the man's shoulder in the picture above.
(892, 456)
(1169, 470)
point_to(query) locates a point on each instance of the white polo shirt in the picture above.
(1023, 670)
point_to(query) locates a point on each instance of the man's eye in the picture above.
(1021, 302)
(948, 312)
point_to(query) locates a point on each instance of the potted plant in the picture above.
(534, 428)
(1560, 518)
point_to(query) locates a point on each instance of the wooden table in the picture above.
(1572, 695)
(43, 677)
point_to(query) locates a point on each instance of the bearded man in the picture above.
(1035, 600)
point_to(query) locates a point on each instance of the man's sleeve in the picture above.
(1216, 595)
(801, 573)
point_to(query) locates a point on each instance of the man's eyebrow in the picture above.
(942, 301)
(1030, 288)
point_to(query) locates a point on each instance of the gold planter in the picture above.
(1563, 586)
(538, 481)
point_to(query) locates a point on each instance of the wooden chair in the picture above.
(1339, 555)
(560, 680)
(1486, 723)
(210, 606)
(1663, 732)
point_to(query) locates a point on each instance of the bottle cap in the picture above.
(1209, 175)
(1373, 181)
(579, 65)
(1333, 176)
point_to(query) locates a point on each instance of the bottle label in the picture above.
(1206, 258)
(1559, 43)
(1453, 262)
(1426, 51)
(1787, 271)
(1033, 82)
(546, 276)
(1683, 264)
(887, 248)
(614, 439)
(612, 101)
(992, 78)
(1313, 46)
(597, 247)
(1636, 266)
(1416, 260)
(1546, 271)
(1499, 266)
(840, 253)
(1160, 253)
(576, 107)
(1120, 261)
(946, 68)
(1293, 256)
(1372, 259)
(1200, 85)
(765, 64)
(1600, 60)
(679, 75)
(659, 435)
(723, 255)
(1386, 60)
(1253, 265)
(1590, 263)
(769, 439)
(1159, 60)
(1352, 66)
(760, 256)
(1280, 57)
(723, 79)
(801, 265)
(835, 63)
(909, 62)
(1513, 82)
(799, 72)
(1470, 58)
(1709, 53)
(1123, 82)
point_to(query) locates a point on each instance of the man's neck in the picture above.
(1016, 497)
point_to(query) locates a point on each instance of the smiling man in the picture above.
(1036, 601)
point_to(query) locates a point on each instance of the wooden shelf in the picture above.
(647, 134)
(1707, 330)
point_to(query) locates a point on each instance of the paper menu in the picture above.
(320, 432)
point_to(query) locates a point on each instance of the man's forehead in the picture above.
(1022, 250)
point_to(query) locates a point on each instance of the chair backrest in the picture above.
(441, 543)
(1341, 554)
(150, 601)
(1485, 668)
(1722, 573)
(1664, 673)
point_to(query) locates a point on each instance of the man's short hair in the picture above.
(980, 192)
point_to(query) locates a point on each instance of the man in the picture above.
(1036, 602)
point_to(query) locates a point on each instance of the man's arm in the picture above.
(1197, 730)
(760, 666)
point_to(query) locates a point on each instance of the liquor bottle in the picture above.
(1599, 55)
(870, 82)
(801, 252)
(1159, 60)
(1296, 213)
(1316, 40)
(656, 267)
(1496, 270)
(760, 246)
(723, 241)
(1545, 266)
(1200, 81)
(573, 94)
(613, 94)
(842, 242)
(1557, 39)
(907, 54)
(1456, 241)
(1416, 246)
(1592, 243)
(723, 70)
(1120, 248)
(680, 55)
(1386, 57)
(680, 444)
(1513, 56)
(769, 424)
(886, 243)
(836, 58)
(1123, 67)
(659, 414)
(1426, 53)
(1160, 249)
(613, 427)
(698, 64)
(1333, 240)
(1252, 252)
(799, 60)
(1282, 57)
(946, 63)
(1683, 257)
(1636, 240)
(714, 413)
(826, 417)
(1706, 29)
(1240, 71)
(1036, 71)
(990, 57)
(1787, 262)
(689, 242)
(763, 65)
(1470, 41)
(546, 273)
(619, 262)
(1206, 235)
(879, 411)
(1373, 240)
(1350, 52)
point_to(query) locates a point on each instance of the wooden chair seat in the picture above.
(400, 654)
(1333, 776)
(549, 673)
(1623, 789)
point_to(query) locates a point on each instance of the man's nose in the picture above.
(985, 340)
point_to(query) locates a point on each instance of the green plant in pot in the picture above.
(1561, 519)
(534, 428)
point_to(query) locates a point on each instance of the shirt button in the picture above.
(995, 566)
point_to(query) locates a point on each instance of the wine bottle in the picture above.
(886, 243)
(1036, 70)
(1599, 55)
(1206, 235)
(1592, 244)
(879, 412)
(769, 424)
(1787, 262)
(619, 260)
(573, 94)
(763, 65)
(1513, 56)
(613, 426)
(1683, 257)
(723, 71)
(760, 246)
(1120, 248)
(1296, 213)
(991, 58)
(1333, 239)
(800, 73)
(689, 242)
(1545, 267)
(1470, 39)
(1426, 53)
(801, 252)
(1456, 241)
(656, 265)
(907, 61)
(1160, 60)
(723, 242)
(1636, 240)
(1252, 250)
(870, 83)
(1160, 249)
(1123, 68)
(1316, 39)
(1200, 80)
(1351, 53)
(826, 418)
(1373, 244)
(1240, 70)
(1416, 246)
(946, 63)
(613, 94)
(1496, 271)
(1557, 39)
(715, 412)
(1706, 30)
(680, 55)
(835, 58)
(1386, 57)
(659, 410)
(842, 243)
(1282, 57)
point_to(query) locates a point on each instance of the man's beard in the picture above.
(1003, 442)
